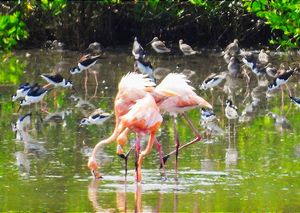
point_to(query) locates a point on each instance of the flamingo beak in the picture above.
(96, 174)
(92, 164)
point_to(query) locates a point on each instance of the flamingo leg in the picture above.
(177, 143)
(145, 152)
(137, 155)
(159, 150)
(196, 132)
(198, 138)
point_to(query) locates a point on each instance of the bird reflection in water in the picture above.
(31, 146)
(126, 203)
(121, 198)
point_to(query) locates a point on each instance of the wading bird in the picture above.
(186, 49)
(97, 117)
(143, 118)
(175, 96)
(137, 50)
(132, 87)
(57, 81)
(22, 91)
(159, 46)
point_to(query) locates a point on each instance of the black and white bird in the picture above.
(22, 123)
(231, 110)
(144, 67)
(97, 117)
(22, 91)
(137, 50)
(213, 80)
(295, 100)
(159, 46)
(85, 63)
(207, 115)
(34, 95)
(186, 49)
(57, 80)
(281, 79)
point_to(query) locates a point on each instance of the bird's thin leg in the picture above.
(229, 130)
(177, 143)
(145, 152)
(138, 198)
(198, 138)
(282, 98)
(85, 82)
(159, 150)
(121, 141)
(45, 86)
(234, 133)
(288, 89)
(137, 154)
(126, 158)
(166, 157)
(196, 132)
(96, 80)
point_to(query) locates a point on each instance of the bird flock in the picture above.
(142, 102)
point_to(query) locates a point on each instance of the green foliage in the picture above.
(11, 69)
(55, 6)
(12, 29)
(281, 15)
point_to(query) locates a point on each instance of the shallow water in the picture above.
(257, 169)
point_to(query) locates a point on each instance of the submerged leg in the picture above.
(121, 142)
(159, 150)
(196, 139)
(137, 154)
(142, 155)
(177, 143)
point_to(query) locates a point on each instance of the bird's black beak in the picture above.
(150, 42)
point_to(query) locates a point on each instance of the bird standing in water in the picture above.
(132, 87)
(143, 118)
(186, 49)
(231, 114)
(175, 96)
(85, 62)
(137, 50)
(159, 46)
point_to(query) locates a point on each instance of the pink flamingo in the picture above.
(132, 87)
(143, 118)
(175, 96)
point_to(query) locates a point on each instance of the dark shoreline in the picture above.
(82, 23)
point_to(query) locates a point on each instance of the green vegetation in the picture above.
(12, 29)
(220, 20)
(281, 15)
(11, 69)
